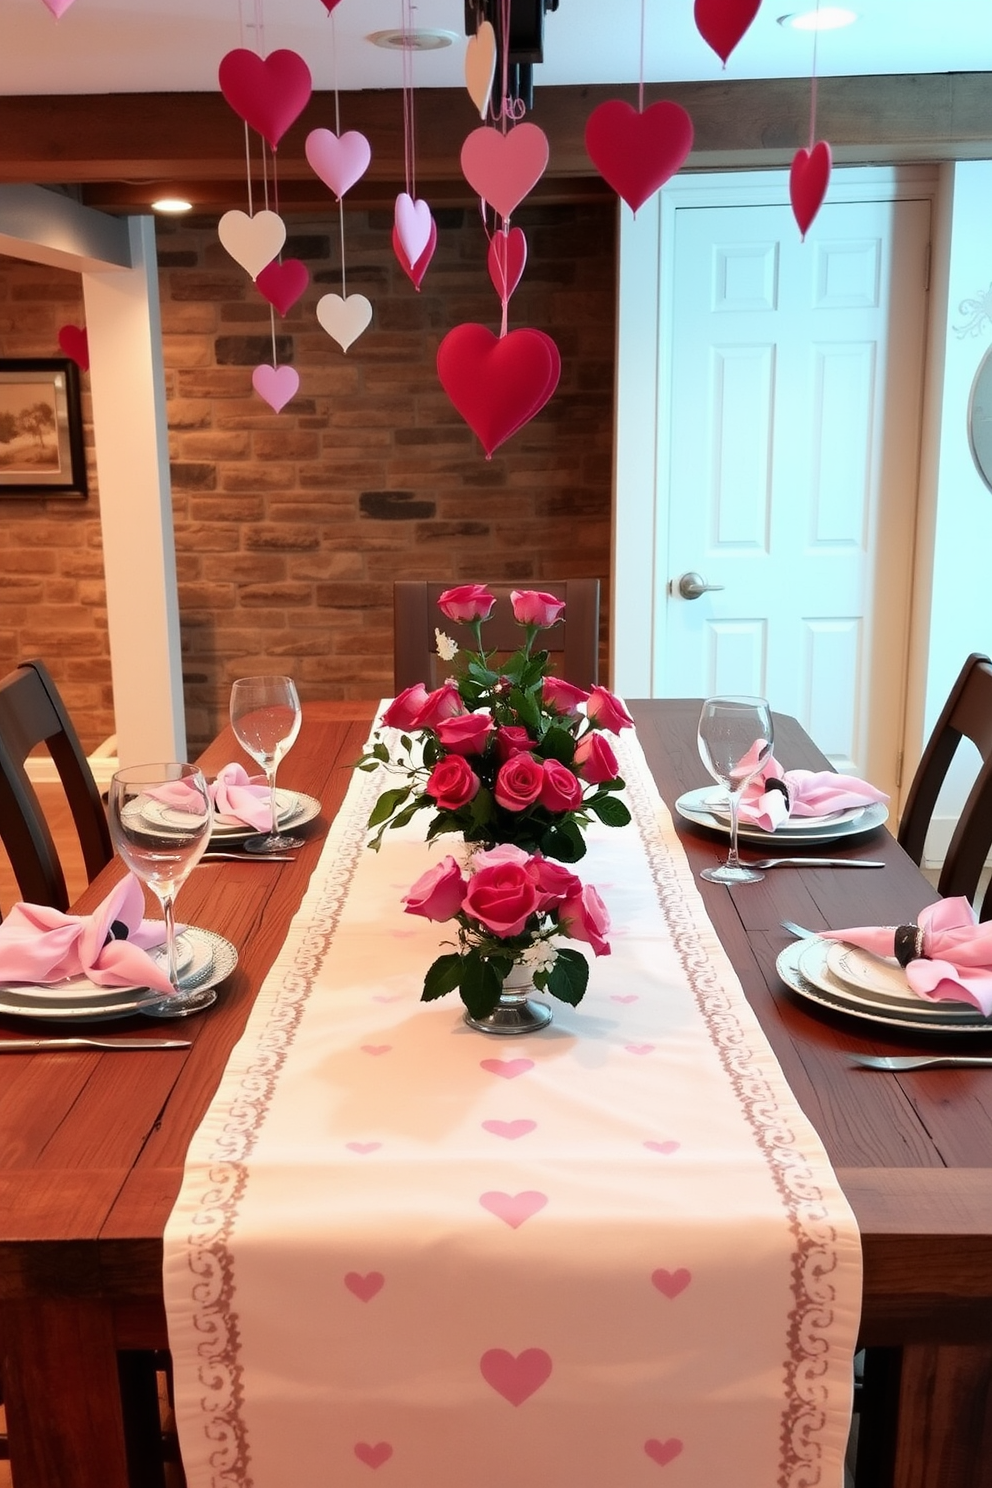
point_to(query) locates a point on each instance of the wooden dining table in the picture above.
(92, 1147)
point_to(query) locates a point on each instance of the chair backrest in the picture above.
(966, 714)
(573, 644)
(32, 713)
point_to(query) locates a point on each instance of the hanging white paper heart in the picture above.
(275, 384)
(344, 320)
(252, 242)
(480, 66)
(413, 225)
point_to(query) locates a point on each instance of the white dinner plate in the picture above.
(294, 808)
(212, 959)
(718, 804)
(803, 968)
(695, 806)
(873, 981)
(79, 989)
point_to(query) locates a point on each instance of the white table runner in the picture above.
(606, 1255)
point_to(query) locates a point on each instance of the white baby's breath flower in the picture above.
(540, 956)
(447, 649)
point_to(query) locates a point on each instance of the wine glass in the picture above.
(160, 821)
(265, 716)
(735, 743)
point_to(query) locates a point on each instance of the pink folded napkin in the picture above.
(775, 795)
(236, 795)
(947, 953)
(41, 945)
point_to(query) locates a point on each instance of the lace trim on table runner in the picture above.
(708, 973)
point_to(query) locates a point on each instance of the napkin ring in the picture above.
(908, 944)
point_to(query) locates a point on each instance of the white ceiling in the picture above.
(123, 46)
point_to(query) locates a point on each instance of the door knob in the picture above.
(691, 586)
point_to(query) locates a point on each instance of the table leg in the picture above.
(944, 1435)
(62, 1393)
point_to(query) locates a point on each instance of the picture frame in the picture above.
(41, 428)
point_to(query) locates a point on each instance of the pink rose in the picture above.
(554, 883)
(560, 789)
(445, 702)
(584, 916)
(562, 696)
(511, 740)
(466, 734)
(608, 711)
(466, 602)
(506, 852)
(519, 782)
(502, 898)
(595, 760)
(438, 893)
(531, 607)
(453, 782)
(405, 709)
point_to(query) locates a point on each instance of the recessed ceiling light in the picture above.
(174, 204)
(825, 18)
(420, 40)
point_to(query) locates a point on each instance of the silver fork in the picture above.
(211, 856)
(896, 1062)
(813, 863)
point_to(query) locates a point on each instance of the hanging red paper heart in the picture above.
(75, 343)
(496, 383)
(502, 168)
(415, 272)
(507, 257)
(722, 23)
(283, 283)
(329, 4)
(636, 153)
(269, 93)
(808, 182)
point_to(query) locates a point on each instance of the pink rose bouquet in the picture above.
(502, 752)
(508, 908)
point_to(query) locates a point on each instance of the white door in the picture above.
(787, 452)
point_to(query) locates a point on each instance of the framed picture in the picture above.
(41, 428)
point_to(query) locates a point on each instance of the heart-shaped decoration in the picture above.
(415, 272)
(507, 257)
(252, 242)
(515, 1377)
(722, 23)
(663, 1452)
(497, 384)
(502, 168)
(74, 341)
(636, 153)
(507, 1069)
(269, 93)
(670, 1283)
(329, 5)
(282, 284)
(338, 161)
(412, 224)
(809, 178)
(364, 1287)
(513, 1209)
(275, 384)
(665, 1148)
(344, 320)
(480, 66)
(376, 1049)
(372, 1454)
(363, 1148)
(511, 1130)
(639, 1048)
(58, 7)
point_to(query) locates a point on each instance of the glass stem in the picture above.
(270, 775)
(733, 861)
(168, 912)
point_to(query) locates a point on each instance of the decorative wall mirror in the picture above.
(980, 419)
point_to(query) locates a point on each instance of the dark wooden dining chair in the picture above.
(573, 645)
(32, 713)
(967, 714)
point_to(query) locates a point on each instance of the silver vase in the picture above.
(514, 1013)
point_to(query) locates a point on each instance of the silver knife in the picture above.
(812, 863)
(38, 1045)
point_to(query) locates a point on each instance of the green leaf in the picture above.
(569, 977)
(481, 985)
(406, 741)
(558, 744)
(406, 815)
(612, 812)
(372, 765)
(445, 821)
(563, 841)
(481, 806)
(380, 752)
(387, 804)
(443, 977)
(526, 706)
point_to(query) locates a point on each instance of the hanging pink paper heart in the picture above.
(722, 23)
(58, 7)
(808, 182)
(339, 162)
(497, 384)
(502, 168)
(480, 66)
(636, 153)
(507, 256)
(412, 221)
(74, 341)
(282, 284)
(252, 242)
(269, 93)
(275, 384)
(415, 272)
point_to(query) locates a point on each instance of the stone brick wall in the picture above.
(291, 527)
